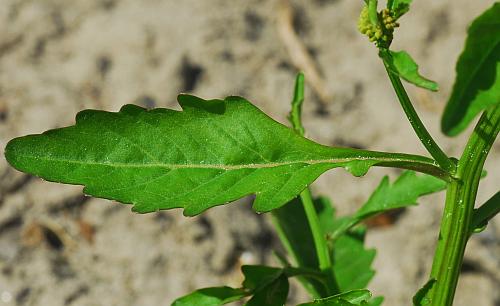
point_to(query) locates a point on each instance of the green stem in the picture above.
(319, 238)
(459, 207)
(418, 126)
(305, 196)
(317, 233)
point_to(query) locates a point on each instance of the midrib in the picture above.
(217, 166)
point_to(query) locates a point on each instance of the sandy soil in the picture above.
(58, 57)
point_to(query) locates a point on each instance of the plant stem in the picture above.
(305, 196)
(459, 207)
(317, 233)
(320, 242)
(418, 126)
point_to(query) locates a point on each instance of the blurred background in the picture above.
(57, 57)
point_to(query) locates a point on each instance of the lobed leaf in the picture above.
(477, 81)
(257, 276)
(405, 191)
(214, 296)
(406, 68)
(211, 153)
(352, 262)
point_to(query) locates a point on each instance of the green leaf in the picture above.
(399, 7)
(292, 221)
(298, 99)
(477, 82)
(257, 276)
(405, 191)
(212, 153)
(376, 301)
(268, 285)
(485, 213)
(274, 293)
(403, 65)
(352, 262)
(214, 296)
(350, 298)
(420, 298)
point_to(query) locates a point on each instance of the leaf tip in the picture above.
(9, 151)
(13, 151)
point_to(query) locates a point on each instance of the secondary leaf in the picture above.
(352, 262)
(477, 81)
(257, 276)
(403, 192)
(376, 301)
(420, 298)
(399, 7)
(350, 298)
(274, 293)
(406, 68)
(484, 213)
(214, 296)
(211, 153)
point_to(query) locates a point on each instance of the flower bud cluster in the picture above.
(382, 33)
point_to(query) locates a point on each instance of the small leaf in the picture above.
(352, 262)
(376, 301)
(274, 293)
(403, 192)
(484, 213)
(350, 298)
(298, 99)
(477, 82)
(406, 68)
(257, 276)
(399, 7)
(214, 296)
(212, 153)
(420, 298)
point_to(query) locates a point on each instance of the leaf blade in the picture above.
(407, 68)
(352, 261)
(477, 81)
(211, 153)
(405, 191)
(399, 7)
